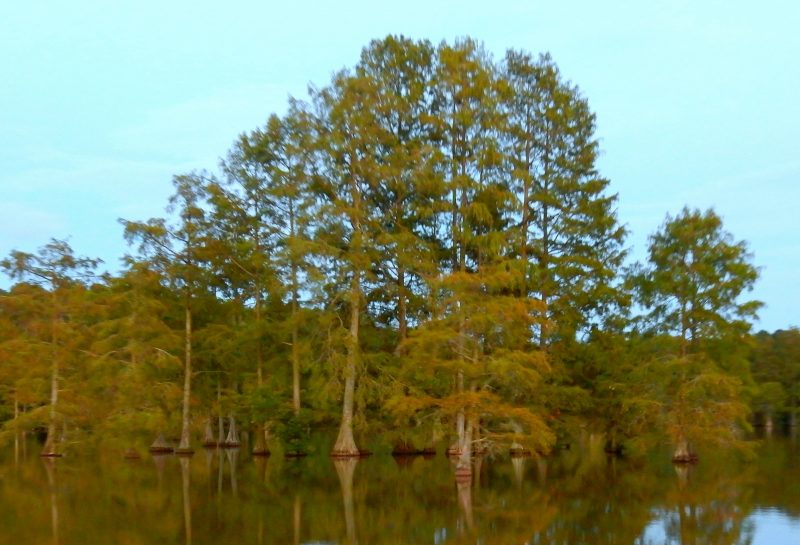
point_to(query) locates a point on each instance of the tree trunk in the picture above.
(683, 452)
(261, 447)
(50, 444)
(16, 431)
(458, 447)
(185, 445)
(464, 464)
(402, 325)
(295, 307)
(220, 419)
(345, 443)
(208, 434)
(518, 463)
(160, 445)
(295, 351)
(232, 440)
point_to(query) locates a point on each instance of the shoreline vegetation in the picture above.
(421, 251)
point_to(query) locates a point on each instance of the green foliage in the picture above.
(694, 280)
(294, 431)
(425, 241)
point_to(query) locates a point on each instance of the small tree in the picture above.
(56, 270)
(691, 288)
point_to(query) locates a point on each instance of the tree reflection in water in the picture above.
(50, 468)
(187, 499)
(345, 468)
(571, 497)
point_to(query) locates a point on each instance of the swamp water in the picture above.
(572, 497)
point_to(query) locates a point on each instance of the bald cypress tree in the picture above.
(692, 288)
(347, 142)
(176, 250)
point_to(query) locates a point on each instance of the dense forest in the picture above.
(421, 254)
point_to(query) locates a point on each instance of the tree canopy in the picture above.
(424, 251)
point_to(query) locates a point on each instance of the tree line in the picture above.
(422, 250)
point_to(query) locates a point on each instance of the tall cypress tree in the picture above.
(177, 251)
(348, 137)
(568, 229)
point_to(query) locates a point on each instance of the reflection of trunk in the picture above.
(160, 461)
(209, 453)
(261, 468)
(541, 470)
(220, 472)
(682, 471)
(232, 454)
(768, 423)
(185, 445)
(187, 507)
(345, 444)
(297, 518)
(688, 528)
(50, 468)
(345, 469)
(465, 501)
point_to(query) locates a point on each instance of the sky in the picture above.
(696, 102)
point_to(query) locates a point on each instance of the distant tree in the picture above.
(775, 361)
(58, 272)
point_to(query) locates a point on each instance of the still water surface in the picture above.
(569, 498)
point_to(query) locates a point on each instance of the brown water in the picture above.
(574, 497)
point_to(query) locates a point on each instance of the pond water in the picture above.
(577, 496)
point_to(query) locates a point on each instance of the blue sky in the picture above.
(697, 103)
